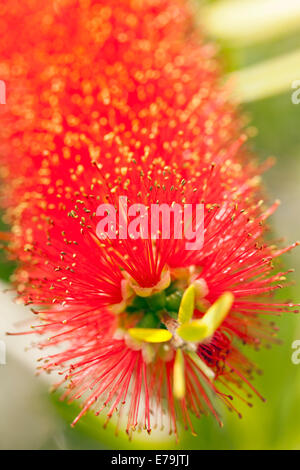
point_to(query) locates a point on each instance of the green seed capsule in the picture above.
(157, 301)
(173, 301)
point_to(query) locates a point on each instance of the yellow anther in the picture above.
(187, 305)
(217, 313)
(194, 330)
(150, 335)
(179, 376)
(198, 330)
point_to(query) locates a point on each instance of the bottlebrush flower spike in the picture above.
(113, 100)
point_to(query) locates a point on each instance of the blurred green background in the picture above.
(31, 418)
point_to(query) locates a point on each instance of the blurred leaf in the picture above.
(93, 426)
(265, 79)
(251, 21)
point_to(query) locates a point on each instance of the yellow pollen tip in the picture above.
(199, 330)
(217, 313)
(150, 335)
(193, 331)
(187, 305)
(179, 376)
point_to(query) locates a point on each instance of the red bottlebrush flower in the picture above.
(121, 99)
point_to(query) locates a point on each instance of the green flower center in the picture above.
(157, 307)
